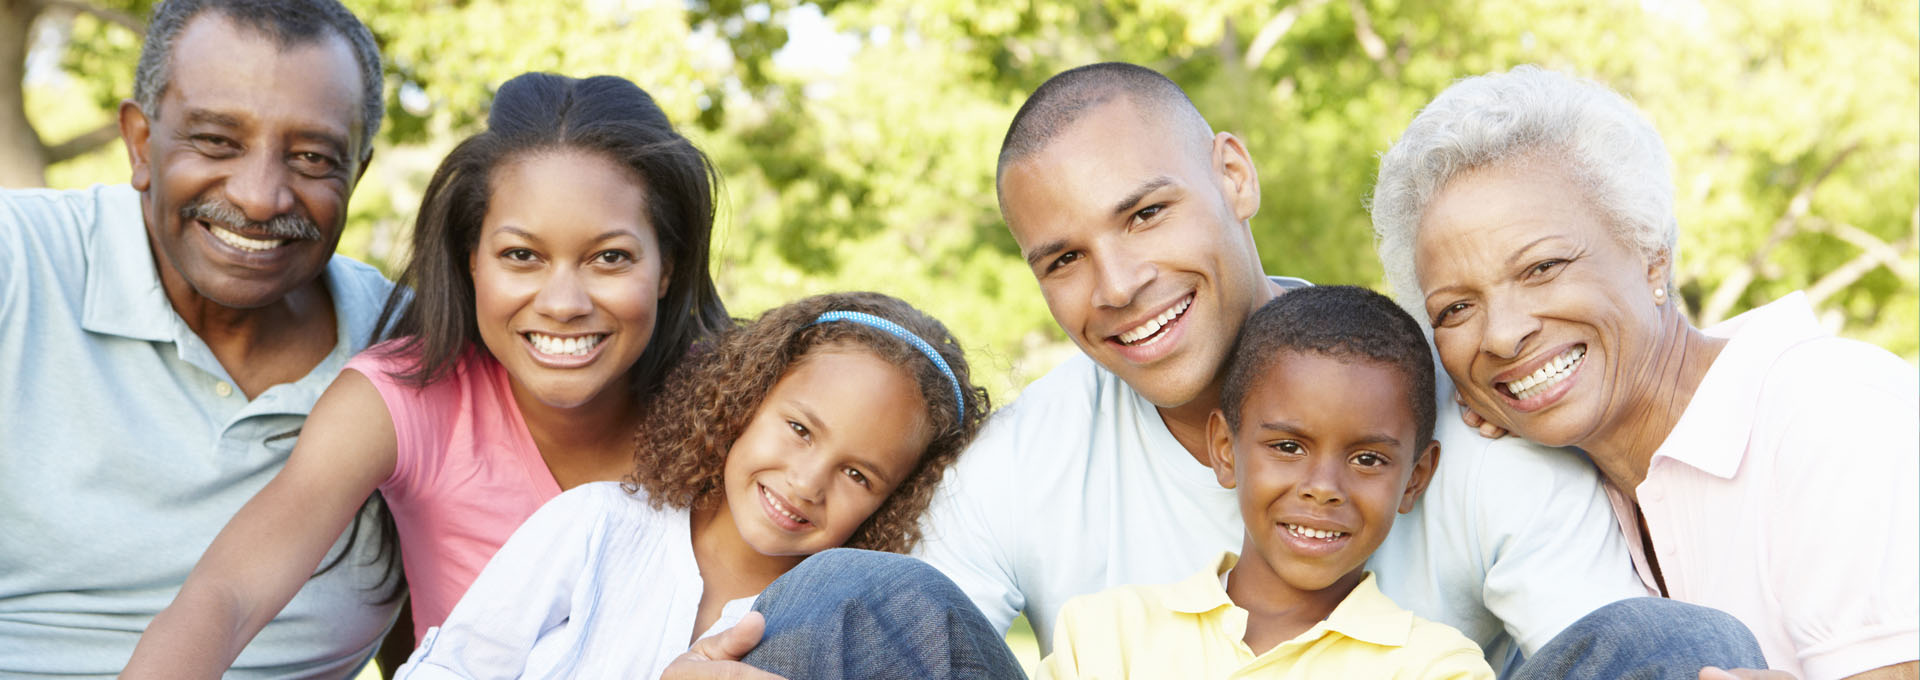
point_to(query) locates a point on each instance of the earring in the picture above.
(1659, 296)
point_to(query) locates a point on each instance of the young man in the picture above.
(1134, 217)
(1134, 214)
(1325, 431)
(162, 343)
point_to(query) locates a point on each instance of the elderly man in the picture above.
(162, 342)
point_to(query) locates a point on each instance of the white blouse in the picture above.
(595, 584)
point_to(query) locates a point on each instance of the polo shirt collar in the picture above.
(1712, 433)
(122, 294)
(1366, 614)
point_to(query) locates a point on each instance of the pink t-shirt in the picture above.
(1788, 495)
(465, 476)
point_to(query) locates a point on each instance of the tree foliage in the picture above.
(1791, 126)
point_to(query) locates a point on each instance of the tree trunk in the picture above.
(23, 158)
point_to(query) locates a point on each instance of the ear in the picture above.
(1220, 448)
(1422, 475)
(1239, 182)
(134, 129)
(365, 163)
(1660, 271)
(666, 274)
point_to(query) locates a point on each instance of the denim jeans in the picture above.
(860, 614)
(1645, 638)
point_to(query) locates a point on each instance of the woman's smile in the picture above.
(1544, 385)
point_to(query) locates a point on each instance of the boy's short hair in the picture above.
(1343, 322)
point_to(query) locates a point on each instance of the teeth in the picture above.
(242, 242)
(1560, 367)
(1154, 324)
(780, 507)
(574, 347)
(1306, 532)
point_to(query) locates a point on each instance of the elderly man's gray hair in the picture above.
(1601, 140)
(288, 23)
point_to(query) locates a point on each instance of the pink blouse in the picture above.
(1786, 495)
(466, 475)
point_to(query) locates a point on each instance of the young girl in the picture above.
(559, 269)
(825, 423)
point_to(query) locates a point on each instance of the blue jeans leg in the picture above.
(1645, 638)
(860, 614)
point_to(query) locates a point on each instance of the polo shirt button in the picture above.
(1653, 495)
(223, 389)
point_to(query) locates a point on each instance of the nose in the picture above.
(808, 477)
(1322, 484)
(1510, 324)
(563, 296)
(1122, 275)
(259, 187)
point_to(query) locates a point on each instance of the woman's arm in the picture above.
(272, 546)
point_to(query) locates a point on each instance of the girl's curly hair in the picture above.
(711, 397)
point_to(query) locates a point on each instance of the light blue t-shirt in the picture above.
(125, 448)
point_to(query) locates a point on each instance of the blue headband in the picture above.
(866, 319)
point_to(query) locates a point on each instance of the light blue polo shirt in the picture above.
(125, 447)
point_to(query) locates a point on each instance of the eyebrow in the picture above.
(1522, 250)
(207, 117)
(1120, 207)
(1123, 205)
(1371, 438)
(813, 419)
(1518, 253)
(333, 142)
(1045, 250)
(604, 236)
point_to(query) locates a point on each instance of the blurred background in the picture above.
(857, 139)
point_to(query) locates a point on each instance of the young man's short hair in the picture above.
(1343, 322)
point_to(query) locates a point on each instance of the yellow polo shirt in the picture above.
(1191, 630)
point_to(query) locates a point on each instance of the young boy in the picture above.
(1326, 432)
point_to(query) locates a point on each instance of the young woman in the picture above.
(559, 270)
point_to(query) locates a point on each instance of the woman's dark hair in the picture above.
(711, 397)
(429, 317)
(432, 310)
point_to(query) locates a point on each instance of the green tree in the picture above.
(1790, 124)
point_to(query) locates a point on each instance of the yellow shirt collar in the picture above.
(1366, 614)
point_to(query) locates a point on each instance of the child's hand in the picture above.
(717, 657)
(1472, 419)
(1711, 673)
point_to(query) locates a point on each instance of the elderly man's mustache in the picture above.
(229, 216)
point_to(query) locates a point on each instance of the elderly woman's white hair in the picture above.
(1607, 147)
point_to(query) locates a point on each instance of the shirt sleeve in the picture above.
(1443, 654)
(1064, 663)
(522, 594)
(960, 538)
(417, 413)
(1552, 549)
(1845, 538)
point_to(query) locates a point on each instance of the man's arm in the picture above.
(961, 540)
(1548, 537)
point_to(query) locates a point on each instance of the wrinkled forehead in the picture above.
(221, 65)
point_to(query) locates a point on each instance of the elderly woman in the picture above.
(1761, 467)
